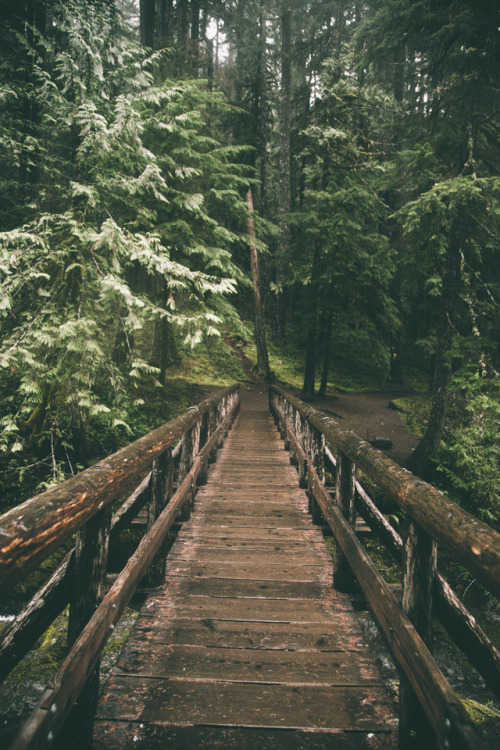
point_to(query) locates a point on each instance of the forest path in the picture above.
(369, 416)
(247, 645)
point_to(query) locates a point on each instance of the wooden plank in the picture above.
(331, 635)
(248, 554)
(277, 570)
(119, 735)
(248, 665)
(244, 608)
(270, 534)
(244, 704)
(256, 589)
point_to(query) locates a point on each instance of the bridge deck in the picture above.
(247, 645)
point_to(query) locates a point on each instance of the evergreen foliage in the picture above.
(130, 135)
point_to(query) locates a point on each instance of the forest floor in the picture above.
(369, 416)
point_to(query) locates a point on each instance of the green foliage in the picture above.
(138, 214)
(469, 456)
(343, 215)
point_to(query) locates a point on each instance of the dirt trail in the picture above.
(369, 416)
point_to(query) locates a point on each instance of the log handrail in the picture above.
(96, 488)
(31, 531)
(474, 544)
(427, 701)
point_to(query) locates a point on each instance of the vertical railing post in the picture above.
(189, 449)
(419, 572)
(160, 492)
(301, 432)
(204, 436)
(89, 581)
(345, 492)
(317, 456)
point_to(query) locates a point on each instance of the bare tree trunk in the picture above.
(166, 21)
(262, 107)
(147, 22)
(284, 167)
(260, 331)
(420, 461)
(326, 351)
(310, 364)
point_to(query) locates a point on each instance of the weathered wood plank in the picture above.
(322, 636)
(245, 704)
(118, 735)
(260, 571)
(255, 589)
(247, 553)
(335, 668)
(245, 608)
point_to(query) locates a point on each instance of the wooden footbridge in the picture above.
(248, 637)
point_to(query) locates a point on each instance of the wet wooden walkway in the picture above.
(247, 646)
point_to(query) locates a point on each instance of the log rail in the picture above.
(179, 450)
(431, 714)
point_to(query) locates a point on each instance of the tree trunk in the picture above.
(310, 364)
(420, 461)
(183, 33)
(260, 331)
(326, 351)
(147, 23)
(284, 167)
(262, 110)
(166, 18)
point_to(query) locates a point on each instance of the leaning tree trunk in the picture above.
(420, 461)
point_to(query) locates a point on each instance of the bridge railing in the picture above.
(159, 471)
(430, 711)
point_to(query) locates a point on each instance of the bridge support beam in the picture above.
(89, 580)
(160, 491)
(419, 574)
(345, 494)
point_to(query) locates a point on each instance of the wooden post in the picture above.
(204, 436)
(91, 557)
(160, 490)
(345, 492)
(317, 456)
(301, 434)
(419, 573)
(189, 449)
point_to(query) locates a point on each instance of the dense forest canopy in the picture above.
(131, 132)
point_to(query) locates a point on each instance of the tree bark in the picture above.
(262, 110)
(310, 364)
(284, 167)
(260, 331)
(147, 10)
(166, 13)
(420, 461)
(327, 350)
